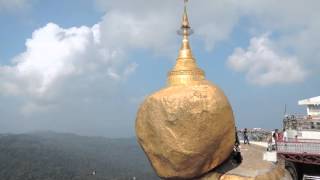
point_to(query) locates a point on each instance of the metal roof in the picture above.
(310, 101)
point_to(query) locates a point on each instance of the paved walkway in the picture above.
(253, 163)
(259, 143)
(251, 167)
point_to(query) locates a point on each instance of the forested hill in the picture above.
(53, 156)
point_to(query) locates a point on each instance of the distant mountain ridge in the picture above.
(57, 156)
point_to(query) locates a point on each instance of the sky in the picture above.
(84, 66)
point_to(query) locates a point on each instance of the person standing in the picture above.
(276, 138)
(285, 136)
(245, 136)
(280, 136)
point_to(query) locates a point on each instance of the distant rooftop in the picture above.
(310, 101)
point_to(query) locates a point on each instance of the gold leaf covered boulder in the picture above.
(187, 128)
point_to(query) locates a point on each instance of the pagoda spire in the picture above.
(185, 31)
(186, 71)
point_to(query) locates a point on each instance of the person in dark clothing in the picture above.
(245, 136)
(236, 154)
(237, 142)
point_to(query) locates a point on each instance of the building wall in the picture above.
(313, 110)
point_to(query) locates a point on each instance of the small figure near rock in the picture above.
(275, 137)
(236, 154)
(245, 136)
(237, 142)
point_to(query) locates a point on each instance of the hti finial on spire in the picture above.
(185, 29)
(185, 5)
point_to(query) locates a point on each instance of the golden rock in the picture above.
(187, 128)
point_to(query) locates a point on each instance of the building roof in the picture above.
(310, 101)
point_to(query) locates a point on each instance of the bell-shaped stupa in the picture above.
(187, 128)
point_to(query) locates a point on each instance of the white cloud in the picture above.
(29, 108)
(55, 56)
(295, 22)
(214, 21)
(63, 74)
(13, 5)
(263, 65)
(51, 53)
(54, 53)
(155, 22)
(60, 60)
(126, 30)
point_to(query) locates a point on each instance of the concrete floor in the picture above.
(251, 167)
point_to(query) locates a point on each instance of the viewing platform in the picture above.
(253, 167)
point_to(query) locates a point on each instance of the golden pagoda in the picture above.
(186, 71)
(187, 128)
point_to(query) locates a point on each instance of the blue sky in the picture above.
(85, 66)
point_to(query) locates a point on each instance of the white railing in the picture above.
(296, 140)
(302, 117)
(298, 148)
(308, 177)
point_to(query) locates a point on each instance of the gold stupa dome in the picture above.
(187, 128)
